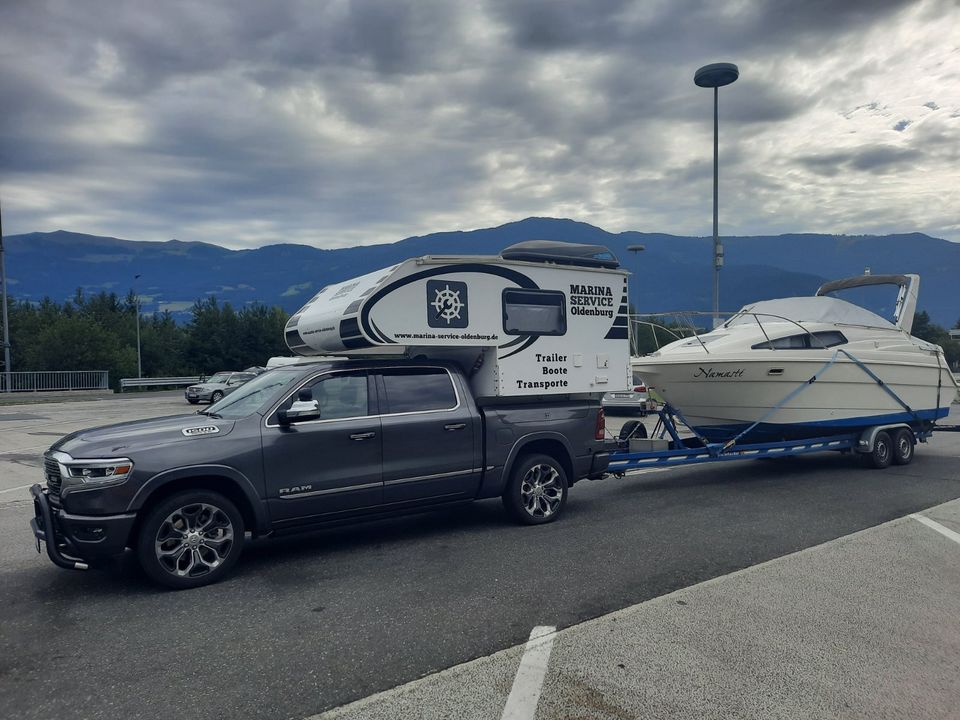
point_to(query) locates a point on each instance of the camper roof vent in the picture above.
(562, 253)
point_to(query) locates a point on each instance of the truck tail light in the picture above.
(601, 430)
(640, 388)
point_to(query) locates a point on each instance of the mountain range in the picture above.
(673, 273)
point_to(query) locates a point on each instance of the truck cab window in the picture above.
(338, 396)
(534, 312)
(418, 390)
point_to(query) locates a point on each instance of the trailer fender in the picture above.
(869, 436)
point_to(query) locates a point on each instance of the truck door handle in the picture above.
(363, 436)
(455, 426)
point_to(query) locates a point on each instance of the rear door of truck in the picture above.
(429, 430)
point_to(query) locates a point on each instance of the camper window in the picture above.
(534, 312)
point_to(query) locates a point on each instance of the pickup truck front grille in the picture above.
(51, 469)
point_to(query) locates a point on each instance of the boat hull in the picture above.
(721, 398)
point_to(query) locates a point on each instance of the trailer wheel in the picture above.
(903, 444)
(882, 453)
(537, 491)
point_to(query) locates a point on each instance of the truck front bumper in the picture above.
(75, 541)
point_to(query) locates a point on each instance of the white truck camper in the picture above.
(542, 318)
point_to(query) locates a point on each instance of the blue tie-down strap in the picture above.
(790, 396)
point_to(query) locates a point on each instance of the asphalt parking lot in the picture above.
(311, 623)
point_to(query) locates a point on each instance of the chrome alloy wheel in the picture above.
(541, 491)
(194, 540)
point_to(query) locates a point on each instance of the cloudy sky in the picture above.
(339, 122)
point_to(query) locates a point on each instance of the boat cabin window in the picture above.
(534, 312)
(806, 341)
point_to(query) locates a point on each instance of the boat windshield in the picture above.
(810, 309)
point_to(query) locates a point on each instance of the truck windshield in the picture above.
(249, 397)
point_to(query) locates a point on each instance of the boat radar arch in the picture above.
(909, 285)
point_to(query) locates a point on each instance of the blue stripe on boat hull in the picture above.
(769, 432)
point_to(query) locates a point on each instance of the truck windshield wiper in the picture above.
(209, 414)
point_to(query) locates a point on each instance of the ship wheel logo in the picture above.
(447, 303)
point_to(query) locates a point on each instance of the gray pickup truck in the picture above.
(300, 446)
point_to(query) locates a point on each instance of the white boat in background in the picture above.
(805, 367)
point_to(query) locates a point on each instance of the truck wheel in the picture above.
(537, 491)
(216, 397)
(902, 447)
(190, 539)
(882, 454)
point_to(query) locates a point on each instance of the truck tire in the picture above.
(903, 444)
(190, 539)
(882, 453)
(537, 491)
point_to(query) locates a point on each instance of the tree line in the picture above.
(931, 332)
(99, 332)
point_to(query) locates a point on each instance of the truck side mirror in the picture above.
(304, 408)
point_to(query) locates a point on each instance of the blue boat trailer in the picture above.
(696, 450)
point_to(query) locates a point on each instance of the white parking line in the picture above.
(21, 487)
(525, 694)
(24, 449)
(945, 531)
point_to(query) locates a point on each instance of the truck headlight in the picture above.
(98, 472)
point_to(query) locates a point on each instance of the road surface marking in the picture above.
(21, 487)
(23, 449)
(945, 531)
(525, 694)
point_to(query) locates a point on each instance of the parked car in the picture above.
(629, 402)
(303, 445)
(217, 387)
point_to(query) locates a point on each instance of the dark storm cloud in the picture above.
(878, 160)
(29, 120)
(300, 118)
(652, 28)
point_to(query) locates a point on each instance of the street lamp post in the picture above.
(634, 340)
(137, 301)
(716, 76)
(6, 320)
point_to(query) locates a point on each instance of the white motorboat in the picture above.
(805, 367)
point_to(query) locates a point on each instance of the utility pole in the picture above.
(6, 320)
(136, 296)
(634, 323)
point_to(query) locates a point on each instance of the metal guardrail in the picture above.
(54, 380)
(156, 382)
